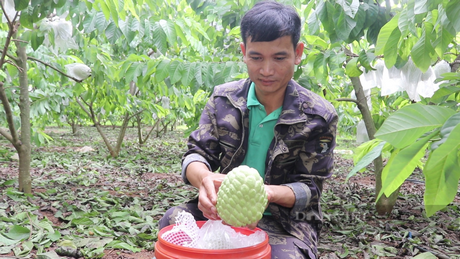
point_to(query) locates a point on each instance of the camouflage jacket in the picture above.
(300, 155)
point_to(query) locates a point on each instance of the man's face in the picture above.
(271, 64)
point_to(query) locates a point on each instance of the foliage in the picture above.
(89, 202)
(95, 204)
(418, 131)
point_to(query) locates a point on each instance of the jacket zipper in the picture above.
(242, 136)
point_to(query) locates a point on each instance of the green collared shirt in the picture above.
(261, 132)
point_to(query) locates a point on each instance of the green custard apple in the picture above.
(242, 199)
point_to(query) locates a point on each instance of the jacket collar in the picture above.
(237, 93)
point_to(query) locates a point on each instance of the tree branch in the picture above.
(347, 100)
(14, 65)
(455, 65)
(4, 132)
(83, 107)
(9, 56)
(135, 114)
(13, 29)
(46, 64)
(10, 23)
(56, 69)
(13, 138)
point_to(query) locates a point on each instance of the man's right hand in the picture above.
(208, 184)
(207, 199)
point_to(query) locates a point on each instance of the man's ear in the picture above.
(299, 52)
(243, 49)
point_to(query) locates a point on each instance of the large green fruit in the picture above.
(242, 199)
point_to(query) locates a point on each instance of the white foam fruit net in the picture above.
(212, 235)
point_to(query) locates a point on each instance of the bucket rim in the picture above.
(214, 251)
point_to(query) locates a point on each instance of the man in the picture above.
(270, 123)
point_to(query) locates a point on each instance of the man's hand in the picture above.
(269, 191)
(208, 184)
(207, 199)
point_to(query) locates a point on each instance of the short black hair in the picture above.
(268, 21)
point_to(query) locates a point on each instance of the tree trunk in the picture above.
(25, 181)
(139, 129)
(385, 204)
(122, 133)
(456, 64)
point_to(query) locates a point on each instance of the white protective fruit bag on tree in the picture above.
(10, 11)
(391, 81)
(78, 71)
(62, 29)
(426, 86)
(411, 76)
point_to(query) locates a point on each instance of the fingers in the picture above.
(208, 195)
(253, 225)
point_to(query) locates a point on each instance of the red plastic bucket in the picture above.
(166, 250)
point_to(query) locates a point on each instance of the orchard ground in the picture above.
(109, 207)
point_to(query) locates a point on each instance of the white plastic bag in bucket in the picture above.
(212, 235)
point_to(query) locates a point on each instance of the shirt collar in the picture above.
(252, 98)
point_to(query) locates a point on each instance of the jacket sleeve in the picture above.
(203, 143)
(313, 165)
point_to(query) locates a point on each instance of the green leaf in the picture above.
(123, 245)
(391, 48)
(129, 28)
(426, 255)
(89, 23)
(443, 39)
(366, 59)
(313, 23)
(105, 9)
(352, 69)
(199, 73)
(423, 52)
(134, 71)
(175, 71)
(442, 173)
(345, 25)
(446, 129)
(453, 13)
(189, 73)
(402, 165)
(48, 255)
(100, 22)
(409, 123)
(162, 70)
(316, 41)
(443, 92)
(385, 35)
(82, 221)
(36, 39)
(403, 22)
(421, 6)
(169, 30)
(116, 16)
(358, 31)
(18, 233)
(113, 33)
(20, 5)
(367, 159)
(151, 67)
(350, 9)
(159, 38)
(7, 241)
(54, 236)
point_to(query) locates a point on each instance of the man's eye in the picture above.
(280, 58)
(255, 58)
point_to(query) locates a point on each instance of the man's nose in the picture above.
(267, 68)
